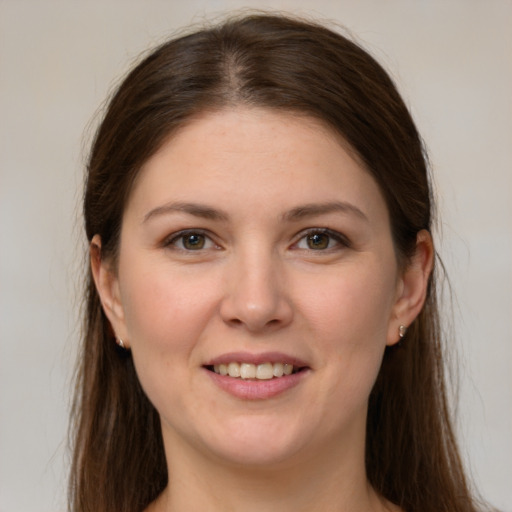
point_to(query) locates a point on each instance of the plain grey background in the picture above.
(452, 60)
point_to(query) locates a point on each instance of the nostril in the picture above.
(255, 325)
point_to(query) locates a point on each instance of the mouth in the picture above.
(261, 376)
(250, 371)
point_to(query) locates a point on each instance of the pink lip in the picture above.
(257, 389)
(265, 357)
(253, 389)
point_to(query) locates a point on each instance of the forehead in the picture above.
(244, 157)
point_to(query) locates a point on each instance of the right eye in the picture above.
(191, 241)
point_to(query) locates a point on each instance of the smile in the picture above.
(264, 371)
(257, 376)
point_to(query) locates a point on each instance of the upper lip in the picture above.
(264, 357)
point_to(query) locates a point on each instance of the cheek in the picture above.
(165, 311)
(351, 308)
(166, 314)
(350, 317)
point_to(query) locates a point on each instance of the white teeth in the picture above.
(234, 370)
(278, 369)
(247, 371)
(264, 371)
(220, 368)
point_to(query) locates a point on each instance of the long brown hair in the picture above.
(290, 65)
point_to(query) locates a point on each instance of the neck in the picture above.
(332, 481)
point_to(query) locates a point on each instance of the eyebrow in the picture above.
(315, 209)
(295, 214)
(197, 210)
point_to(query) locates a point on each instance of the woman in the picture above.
(261, 330)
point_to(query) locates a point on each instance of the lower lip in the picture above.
(257, 389)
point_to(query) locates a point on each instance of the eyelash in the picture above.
(173, 240)
(338, 238)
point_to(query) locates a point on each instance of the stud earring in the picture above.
(120, 342)
(402, 330)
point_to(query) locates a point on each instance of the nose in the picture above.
(256, 296)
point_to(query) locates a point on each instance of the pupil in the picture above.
(318, 241)
(194, 241)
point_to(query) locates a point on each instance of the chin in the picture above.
(258, 442)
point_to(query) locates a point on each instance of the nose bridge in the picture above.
(255, 293)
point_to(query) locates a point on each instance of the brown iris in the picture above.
(193, 241)
(318, 241)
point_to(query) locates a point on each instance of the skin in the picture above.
(259, 284)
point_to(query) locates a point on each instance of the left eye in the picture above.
(320, 241)
(191, 241)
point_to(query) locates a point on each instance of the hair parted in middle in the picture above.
(295, 66)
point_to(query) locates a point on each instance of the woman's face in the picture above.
(252, 241)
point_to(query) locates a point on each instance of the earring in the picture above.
(120, 342)
(402, 330)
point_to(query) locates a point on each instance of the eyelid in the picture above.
(341, 239)
(171, 240)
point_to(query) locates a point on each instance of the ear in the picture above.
(412, 286)
(107, 285)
